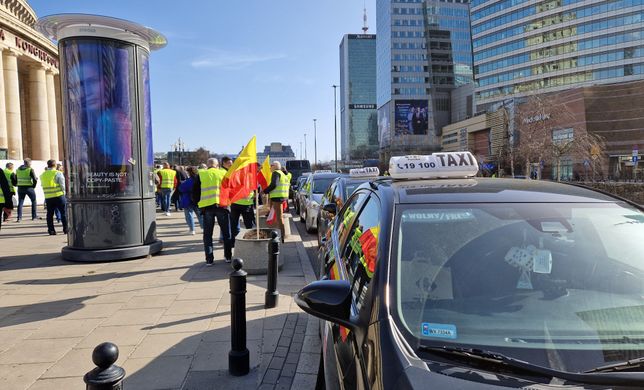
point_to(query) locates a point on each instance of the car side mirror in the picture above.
(330, 208)
(329, 300)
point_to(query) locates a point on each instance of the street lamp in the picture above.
(335, 125)
(315, 142)
(306, 158)
(300, 150)
(179, 147)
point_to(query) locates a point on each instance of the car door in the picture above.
(337, 351)
(352, 257)
(358, 257)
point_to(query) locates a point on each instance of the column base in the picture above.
(106, 255)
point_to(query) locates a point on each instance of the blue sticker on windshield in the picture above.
(443, 331)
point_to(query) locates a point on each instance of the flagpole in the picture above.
(257, 212)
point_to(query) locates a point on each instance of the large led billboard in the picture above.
(411, 117)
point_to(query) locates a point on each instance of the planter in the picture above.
(254, 251)
(287, 224)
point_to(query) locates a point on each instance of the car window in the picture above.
(554, 278)
(348, 215)
(320, 185)
(360, 250)
(328, 196)
(337, 196)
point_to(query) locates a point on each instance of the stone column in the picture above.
(51, 114)
(39, 113)
(59, 117)
(12, 104)
(4, 137)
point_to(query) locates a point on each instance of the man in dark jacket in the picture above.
(6, 203)
(277, 190)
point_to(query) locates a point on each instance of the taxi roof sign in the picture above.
(434, 166)
(364, 172)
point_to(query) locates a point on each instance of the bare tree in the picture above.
(541, 140)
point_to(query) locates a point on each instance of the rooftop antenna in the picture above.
(364, 18)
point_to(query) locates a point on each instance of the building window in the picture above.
(562, 136)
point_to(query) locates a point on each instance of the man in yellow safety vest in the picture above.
(168, 179)
(6, 202)
(26, 181)
(206, 194)
(11, 181)
(278, 192)
(53, 185)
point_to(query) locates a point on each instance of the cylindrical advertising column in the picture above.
(109, 160)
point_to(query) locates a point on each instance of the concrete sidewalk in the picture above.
(169, 316)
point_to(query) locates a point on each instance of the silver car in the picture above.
(314, 188)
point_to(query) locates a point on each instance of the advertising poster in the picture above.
(411, 117)
(101, 135)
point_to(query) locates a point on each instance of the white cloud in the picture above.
(227, 60)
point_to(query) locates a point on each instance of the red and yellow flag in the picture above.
(264, 175)
(241, 177)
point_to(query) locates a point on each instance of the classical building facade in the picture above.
(30, 106)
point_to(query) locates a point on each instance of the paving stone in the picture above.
(309, 363)
(304, 381)
(276, 363)
(295, 347)
(292, 357)
(298, 338)
(167, 344)
(281, 352)
(284, 383)
(266, 386)
(38, 351)
(271, 376)
(289, 370)
(162, 372)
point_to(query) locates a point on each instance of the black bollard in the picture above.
(238, 357)
(272, 295)
(106, 376)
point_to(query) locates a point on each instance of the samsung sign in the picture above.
(362, 106)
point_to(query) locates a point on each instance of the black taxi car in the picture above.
(337, 193)
(433, 280)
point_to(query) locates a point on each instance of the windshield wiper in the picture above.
(621, 366)
(595, 378)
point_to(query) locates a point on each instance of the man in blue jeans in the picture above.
(26, 180)
(206, 194)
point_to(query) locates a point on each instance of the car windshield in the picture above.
(320, 185)
(559, 284)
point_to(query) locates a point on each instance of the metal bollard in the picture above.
(272, 295)
(106, 376)
(238, 357)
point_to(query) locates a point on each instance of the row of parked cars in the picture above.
(434, 278)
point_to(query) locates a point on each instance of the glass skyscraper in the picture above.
(423, 52)
(521, 47)
(358, 115)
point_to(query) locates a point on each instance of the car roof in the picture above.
(326, 175)
(490, 190)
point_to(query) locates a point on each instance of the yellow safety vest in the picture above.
(210, 186)
(8, 173)
(281, 189)
(167, 177)
(290, 177)
(24, 177)
(49, 185)
(247, 201)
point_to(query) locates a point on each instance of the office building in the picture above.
(358, 114)
(30, 106)
(277, 152)
(522, 47)
(416, 71)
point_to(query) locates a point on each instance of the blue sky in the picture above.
(233, 69)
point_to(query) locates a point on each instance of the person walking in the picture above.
(11, 181)
(168, 179)
(278, 193)
(26, 181)
(189, 207)
(206, 194)
(53, 185)
(181, 176)
(6, 201)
